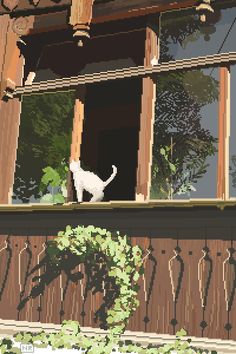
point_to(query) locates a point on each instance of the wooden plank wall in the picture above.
(165, 305)
(11, 70)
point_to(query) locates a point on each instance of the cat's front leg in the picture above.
(79, 193)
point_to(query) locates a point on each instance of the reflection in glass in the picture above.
(184, 161)
(232, 140)
(184, 36)
(44, 142)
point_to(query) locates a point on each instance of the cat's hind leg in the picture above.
(97, 197)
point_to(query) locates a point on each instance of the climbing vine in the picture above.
(123, 260)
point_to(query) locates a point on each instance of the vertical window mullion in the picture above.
(77, 133)
(227, 130)
(147, 113)
(223, 135)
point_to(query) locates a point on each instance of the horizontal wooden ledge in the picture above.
(218, 203)
(9, 327)
(139, 71)
(103, 11)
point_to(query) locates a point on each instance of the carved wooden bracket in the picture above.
(8, 89)
(80, 19)
(10, 4)
(22, 25)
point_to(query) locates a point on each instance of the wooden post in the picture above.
(80, 18)
(76, 136)
(11, 65)
(147, 113)
(223, 135)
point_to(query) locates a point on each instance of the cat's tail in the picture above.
(112, 176)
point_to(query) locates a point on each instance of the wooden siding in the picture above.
(11, 65)
(176, 252)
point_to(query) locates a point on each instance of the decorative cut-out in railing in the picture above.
(25, 256)
(229, 278)
(150, 262)
(176, 269)
(35, 2)
(10, 4)
(5, 259)
(204, 275)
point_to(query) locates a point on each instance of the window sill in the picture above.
(219, 203)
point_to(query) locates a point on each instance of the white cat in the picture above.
(86, 180)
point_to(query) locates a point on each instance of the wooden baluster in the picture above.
(24, 259)
(229, 278)
(204, 278)
(40, 256)
(176, 269)
(204, 275)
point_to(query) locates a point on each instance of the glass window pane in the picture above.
(44, 142)
(232, 140)
(184, 161)
(184, 36)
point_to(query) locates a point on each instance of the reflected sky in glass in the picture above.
(184, 36)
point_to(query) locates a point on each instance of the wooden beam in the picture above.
(138, 71)
(223, 135)
(147, 114)
(121, 9)
(12, 72)
(77, 133)
(102, 12)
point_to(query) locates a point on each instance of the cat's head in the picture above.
(75, 166)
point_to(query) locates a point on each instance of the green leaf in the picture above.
(181, 333)
(172, 167)
(58, 198)
(51, 176)
(162, 152)
(47, 198)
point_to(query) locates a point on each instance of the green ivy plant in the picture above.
(54, 180)
(124, 261)
(70, 337)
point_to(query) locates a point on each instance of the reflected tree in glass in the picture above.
(183, 143)
(45, 138)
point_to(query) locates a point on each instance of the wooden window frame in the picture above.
(146, 72)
